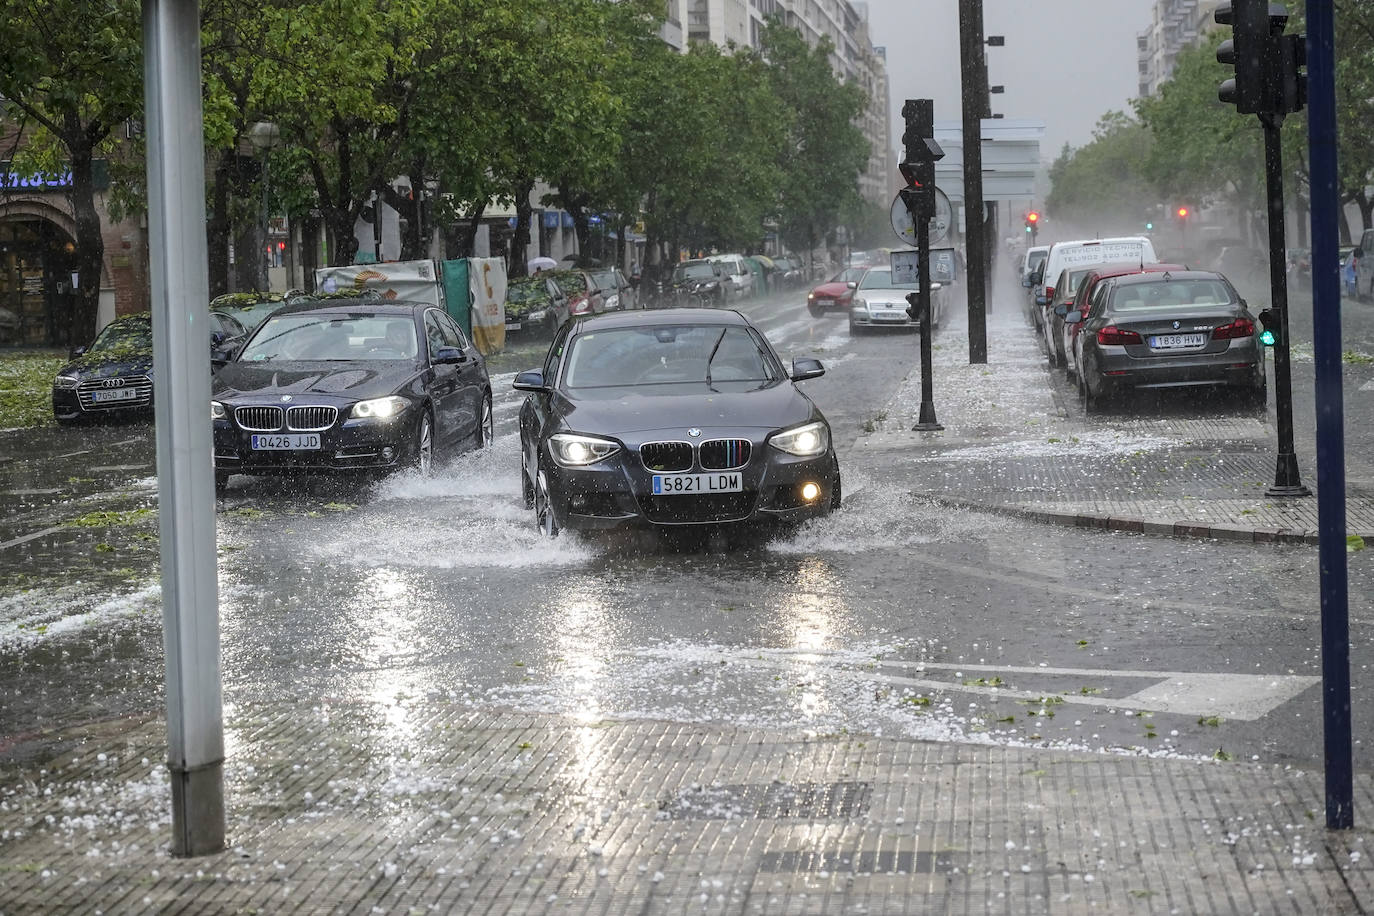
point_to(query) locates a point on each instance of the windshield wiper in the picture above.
(712, 357)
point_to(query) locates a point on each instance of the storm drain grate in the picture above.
(775, 800)
(871, 862)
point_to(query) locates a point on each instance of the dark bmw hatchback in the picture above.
(337, 386)
(672, 417)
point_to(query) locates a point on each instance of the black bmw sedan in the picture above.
(672, 417)
(349, 386)
(112, 378)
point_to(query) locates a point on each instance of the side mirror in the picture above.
(1026, 282)
(74, 352)
(450, 355)
(852, 284)
(530, 380)
(1042, 300)
(804, 368)
(221, 355)
(1073, 317)
(1061, 310)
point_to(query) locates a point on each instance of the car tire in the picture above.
(545, 513)
(855, 330)
(1091, 403)
(221, 482)
(526, 485)
(486, 426)
(815, 310)
(423, 459)
(836, 493)
(1256, 397)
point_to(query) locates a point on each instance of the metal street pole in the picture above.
(926, 421)
(186, 499)
(1326, 346)
(1287, 480)
(974, 97)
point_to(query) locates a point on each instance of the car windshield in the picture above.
(881, 278)
(1169, 294)
(124, 335)
(694, 272)
(848, 275)
(333, 337)
(667, 354)
(604, 279)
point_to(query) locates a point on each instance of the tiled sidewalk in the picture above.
(491, 812)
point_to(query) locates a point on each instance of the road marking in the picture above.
(1243, 697)
(1368, 386)
(87, 451)
(29, 537)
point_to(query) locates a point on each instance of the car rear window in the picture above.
(1168, 294)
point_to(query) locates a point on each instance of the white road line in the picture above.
(1243, 697)
(1368, 386)
(29, 537)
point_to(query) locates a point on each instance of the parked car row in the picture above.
(539, 304)
(1119, 321)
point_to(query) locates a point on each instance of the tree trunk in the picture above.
(469, 237)
(524, 213)
(344, 248)
(90, 246)
(1366, 205)
(217, 225)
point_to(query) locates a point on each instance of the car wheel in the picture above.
(487, 426)
(1257, 397)
(815, 310)
(836, 493)
(854, 329)
(424, 446)
(1089, 402)
(221, 482)
(544, 514)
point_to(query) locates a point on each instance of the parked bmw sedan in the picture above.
(879, 302)
(113, 377)
(1166, 330)
(672, 417)
(349, 386)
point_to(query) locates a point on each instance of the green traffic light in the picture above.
(1028, 228)
(1149, 225)
(1267, 338)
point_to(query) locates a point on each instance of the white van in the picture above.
(1083, 253)
(741, 280)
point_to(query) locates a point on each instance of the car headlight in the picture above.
(572, 450)
(217, 411)
(612, 302)
(66, 380)
(537, 315)
(811, 295)
(805, 441)
(379, 408)
(712, 284)
(859, 305)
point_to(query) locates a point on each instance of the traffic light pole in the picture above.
(926, 422)
(1287, 480)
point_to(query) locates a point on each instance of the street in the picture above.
(897, 616)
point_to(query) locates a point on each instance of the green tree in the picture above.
(824, 152)
(72, 72)
(1103, 185)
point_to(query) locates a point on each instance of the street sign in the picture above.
(905, 267)
(940, 223)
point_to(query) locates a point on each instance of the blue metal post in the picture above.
(1326, 340)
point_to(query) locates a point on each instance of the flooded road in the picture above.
(897, 615)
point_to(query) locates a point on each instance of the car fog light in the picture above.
(388, 453)
(810, 491)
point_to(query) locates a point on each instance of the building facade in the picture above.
(1177, 24)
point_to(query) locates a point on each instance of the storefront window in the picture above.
(36, 300)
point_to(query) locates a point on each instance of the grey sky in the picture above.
(1066, 62)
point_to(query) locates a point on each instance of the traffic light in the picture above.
(1269, 324)
(919, 158)
(1149, 227)
(1269, 78)
(1182, 214)
(1032, 223)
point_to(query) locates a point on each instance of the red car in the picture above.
(835, 293)
(1083, 300)
(584, 296)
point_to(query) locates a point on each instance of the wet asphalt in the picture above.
(894, 616)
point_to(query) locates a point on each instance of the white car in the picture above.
(880, 303)
(737, 272)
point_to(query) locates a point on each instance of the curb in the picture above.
(1133, 525)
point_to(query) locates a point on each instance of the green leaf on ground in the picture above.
(108, 519)
(1354, 542)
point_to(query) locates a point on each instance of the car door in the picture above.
(558, 300)
(1364, 268)
(472, 376)
(536, 414)
(445, 385)
(629, 298)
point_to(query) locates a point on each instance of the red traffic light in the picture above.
(1182, 212)
(1032, 217)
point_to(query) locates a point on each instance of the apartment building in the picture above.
(855, 58)
(1177, 24)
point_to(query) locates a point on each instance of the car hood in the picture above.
(831, 290)
(351, 381)
(883, 295)
(110, 363)
(639, 413)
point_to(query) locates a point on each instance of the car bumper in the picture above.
(67, 406)
(1239, 365)
(350, 445)
(620, 494)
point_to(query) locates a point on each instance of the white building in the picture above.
(1177, 24)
